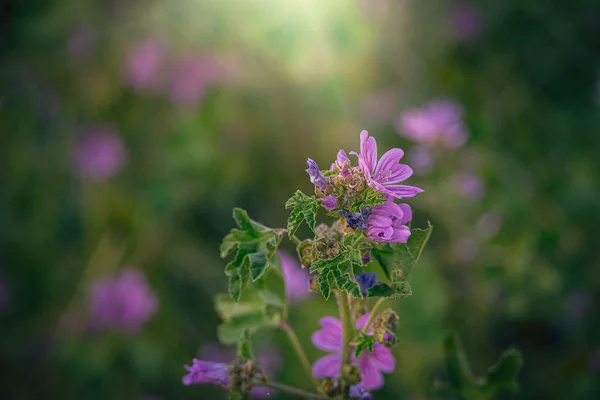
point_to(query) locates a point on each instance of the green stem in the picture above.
(291, 334)
(372, 315)
(291, 390)
(295, 239)
(347, 328)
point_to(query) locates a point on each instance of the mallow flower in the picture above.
(357, 392)
(385, 174)
(206, 372)
(316, 176)
(371, 364)
(387, 222)
(99, 154)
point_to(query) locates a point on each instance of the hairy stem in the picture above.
(372, 315)
(291, 334)
(291, 390)
(295, 239)
(347, 332)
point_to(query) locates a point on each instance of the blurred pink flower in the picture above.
(99, 154)
(144, 63)
(296, 278)
(121, 302)
(191, 79)
(489, 224)
(465, 22)
(421, 159)
(469, 184)
(439, 121)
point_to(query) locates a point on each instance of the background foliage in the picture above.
(513, 262)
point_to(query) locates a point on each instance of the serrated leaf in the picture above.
(380, 290)
(272, 299)
(244, 350)
(323, 279)
(325, 263)
(256, 246)
(364, 342)
(304, 208)
(406, 255)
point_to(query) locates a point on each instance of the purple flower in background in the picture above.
(385, 174)
(357, 392)
(465, 22)
(489, 224)
(295, 277)
(329, 202)
(421, 159)
(191, 79)
(366, 280)
(206, 372)
(387, 222)
(99, 154)
(123, 302)
(469, 185)
(143, 64)
(316, 176)
(437, 121)
(371, 364)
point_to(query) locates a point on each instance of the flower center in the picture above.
(382, 176)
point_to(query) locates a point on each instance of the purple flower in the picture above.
(206, 372)
(465, 22)
(366, 280)
(329, 202)
(371, 364)
(469, 185)
(356, 220)
(268, 359)
(385, 174)
(296, 278)
(123, 302)
(143, 64)
(357, 392)
(387, 222)
(191, 79)
(437, 121)
(99, 154)
(420, 158)
(316, 176)
(366, 258)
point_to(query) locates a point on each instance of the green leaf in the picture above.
(235, 396)
(338, 271)
(256, 246)
(363, 343)
(244, 350)
(328, 263)
(304, 208)
(272, 299)
(458, 370)
(324, 279)
(227, 308)
(406, 255)
(503, 375)
(229, 332)
(380, 290)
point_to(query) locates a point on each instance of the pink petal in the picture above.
(406, 213)
(382, 358)
(327, 366)
(360, 323)
(400, 235)
(397, 191)
(388, 164)
(368, 152)
(341, 157)
(330, 337)
(371, 377)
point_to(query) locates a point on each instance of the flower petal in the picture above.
(327, 366)
(397, 191)
(382, 358)
(372, 378)
(389, 169)
(330, 337)
(406, 213)
(368, 152)
(360, 322)
(341, 157)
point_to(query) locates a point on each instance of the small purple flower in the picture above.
(366, 258)
(465, 22)
(385, 174)
(387, 222)
(206, 372)
(371, 364)
(421, 159)
(191, 78)
(316, 176)
(296, 278)
(366, 280)
(469, 185)
(123, 302)
(143, 64)
(99, 154)
(356, 220)
(437, 121)
(357, 392)
(329, 202)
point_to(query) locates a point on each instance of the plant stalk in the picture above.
(347, 328)
(372, 315)
(291, 334)
(291, 390)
